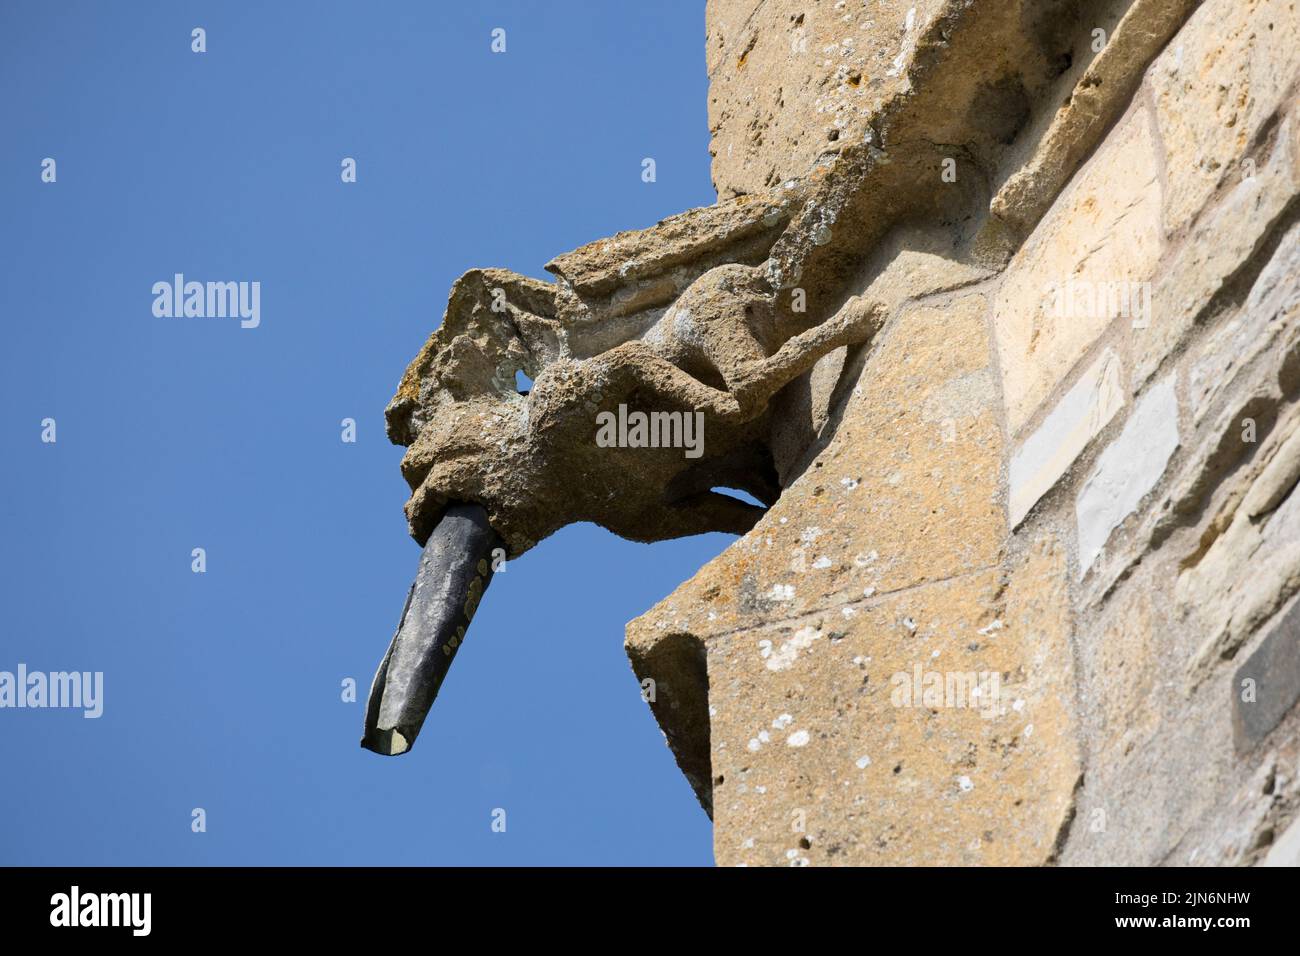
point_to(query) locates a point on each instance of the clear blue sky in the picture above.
(222, 690)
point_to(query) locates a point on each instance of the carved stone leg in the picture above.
(633, 365)
(858, 321)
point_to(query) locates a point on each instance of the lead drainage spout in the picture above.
(455, 569)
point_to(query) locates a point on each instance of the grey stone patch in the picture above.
(1274, 669)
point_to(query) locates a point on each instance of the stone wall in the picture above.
(1029, 594)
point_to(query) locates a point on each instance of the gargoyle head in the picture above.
(459, 407)
(534, 458)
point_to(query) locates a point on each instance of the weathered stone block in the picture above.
(915, 459)
(1220, 246)
(825, 751)
(1215, 86)
(1101, 93)
(808, 619)
(1122, 662)
(1271, 309)
(1252, 566)
(790, 82)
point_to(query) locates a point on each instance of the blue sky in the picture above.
(222, 689)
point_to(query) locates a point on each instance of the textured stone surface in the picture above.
(1125, 659)
(1215, 88)
(811, 736)
(790, 83)
(705, 369)
(1166, 199)
(1196, 277)
(1133, 34)
(1269, 313)
(1261, 534)
(807, 619)
(926, 448)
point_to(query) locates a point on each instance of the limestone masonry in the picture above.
(999, 312)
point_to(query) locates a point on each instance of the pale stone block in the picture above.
(1055, 444)
(1127, 470)
(1102, 235)
(1216, 84)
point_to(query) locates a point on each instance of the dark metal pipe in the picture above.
(455, 569)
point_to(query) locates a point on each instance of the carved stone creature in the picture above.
(530, 460)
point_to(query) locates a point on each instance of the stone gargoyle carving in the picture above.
(696, 326)
(682, 329)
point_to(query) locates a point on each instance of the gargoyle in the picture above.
(494, 469)
(709, 314)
